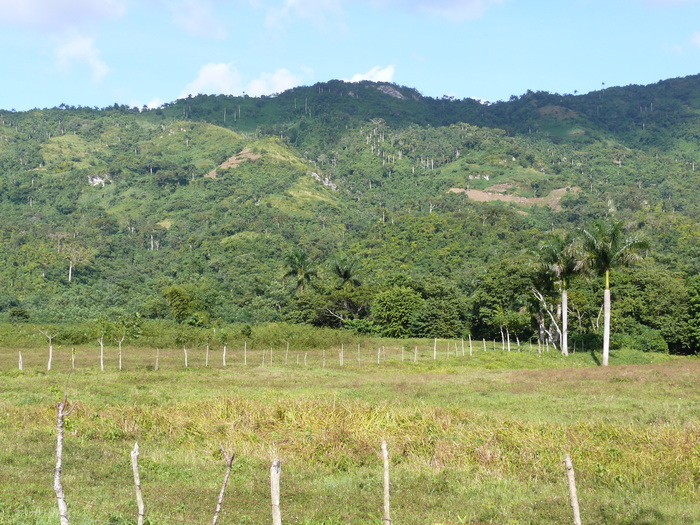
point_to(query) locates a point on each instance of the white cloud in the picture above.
(58, 14)
(225, 79)
(81, 50)
(695, 39)
(376, 74)
(213, 78)
(270, 83)
(195, 17)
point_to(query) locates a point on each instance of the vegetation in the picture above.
(362, 206)
(472, 439)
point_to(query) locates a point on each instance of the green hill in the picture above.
(381, 190)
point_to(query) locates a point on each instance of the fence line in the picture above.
(158, 358)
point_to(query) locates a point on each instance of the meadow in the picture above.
(472, 439)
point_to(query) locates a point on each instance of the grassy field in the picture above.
(472, 439)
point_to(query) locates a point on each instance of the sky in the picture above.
(150, 52)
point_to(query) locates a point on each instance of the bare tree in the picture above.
(50, 334)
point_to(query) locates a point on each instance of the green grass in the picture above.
(475, 439)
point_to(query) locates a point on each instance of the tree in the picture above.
(345, 271)
(76, 254)
(395, 308)
(126, 327)
(558, 256)
(299, 267)
(102, 328)
(605, 247)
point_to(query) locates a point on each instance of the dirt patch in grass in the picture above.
(234, 161)
(557, 112)
(496, 193)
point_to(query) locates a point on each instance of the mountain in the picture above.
(122, 210)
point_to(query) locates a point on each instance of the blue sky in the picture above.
(136, 52)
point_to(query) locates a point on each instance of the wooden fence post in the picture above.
(275, 470)
(219, 503)
(572, 489)
(387, 506)
(62, 413)
(21, 366)
(157, 359)
(137, 482)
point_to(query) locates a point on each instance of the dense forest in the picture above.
(362, 206)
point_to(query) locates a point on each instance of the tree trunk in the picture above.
(70, 271)
(606, 326)
(565, 322)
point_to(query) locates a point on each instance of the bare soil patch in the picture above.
(234, 161)
(495, 193)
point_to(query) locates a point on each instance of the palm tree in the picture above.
(605, 247)
(344, 269)
(300, 267)
(558, 256)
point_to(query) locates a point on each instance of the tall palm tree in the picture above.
(558, 256)
(346, 273)
(300, 267)
(606, 247)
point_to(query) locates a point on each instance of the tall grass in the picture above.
(473, 440)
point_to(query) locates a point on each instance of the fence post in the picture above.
(275, 470)
(387, 506)
(137, 482)
(219, 503)
(57, 485)
(21, 366)
(572, 489)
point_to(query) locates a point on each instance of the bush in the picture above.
(18, 315)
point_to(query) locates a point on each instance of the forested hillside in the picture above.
(363, 206)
